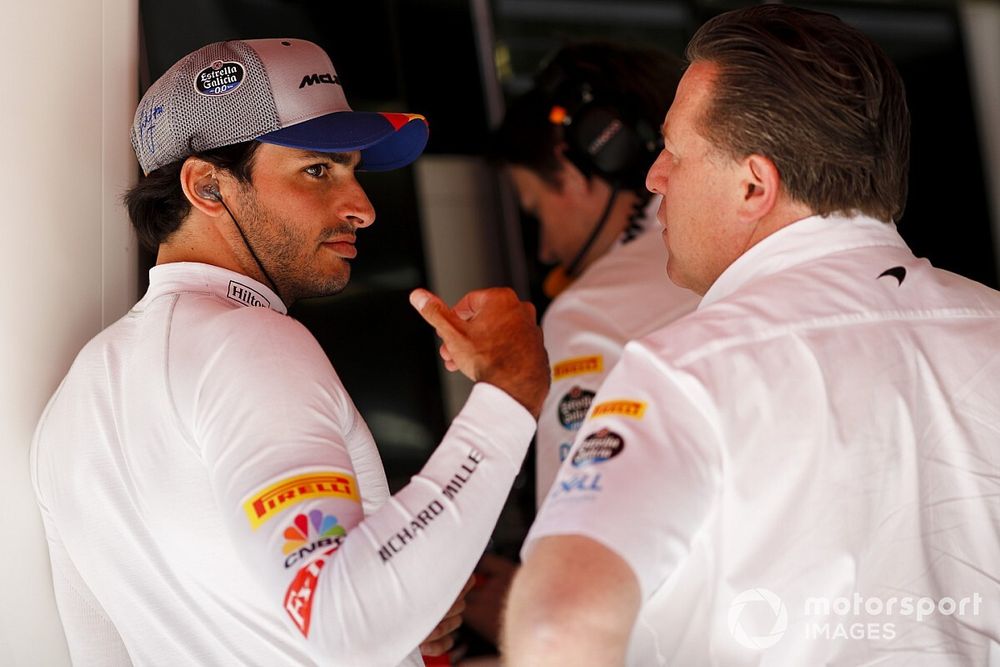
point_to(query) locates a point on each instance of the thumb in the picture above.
(434, 311)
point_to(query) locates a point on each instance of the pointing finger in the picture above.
(434, 311)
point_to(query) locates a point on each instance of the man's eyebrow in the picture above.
(347, 159)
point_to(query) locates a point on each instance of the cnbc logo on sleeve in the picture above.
(311, 533)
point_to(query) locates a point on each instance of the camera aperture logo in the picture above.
(758, 618)
(749, 614)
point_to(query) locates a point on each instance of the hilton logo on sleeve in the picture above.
(248, 296)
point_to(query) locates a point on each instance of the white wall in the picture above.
(68, 72)
(981, 22)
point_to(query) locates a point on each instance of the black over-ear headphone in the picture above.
(603, 136)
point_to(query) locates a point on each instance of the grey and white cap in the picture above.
(278, 91)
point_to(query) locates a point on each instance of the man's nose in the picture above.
(653, 175)
(357, 208)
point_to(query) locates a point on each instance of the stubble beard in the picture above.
(287, 254)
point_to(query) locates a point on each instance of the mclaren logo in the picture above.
(316, 79)
(897, 272)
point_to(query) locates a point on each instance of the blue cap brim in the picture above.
(382, 145)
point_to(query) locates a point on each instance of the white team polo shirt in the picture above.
(804, 471)
(211, 495)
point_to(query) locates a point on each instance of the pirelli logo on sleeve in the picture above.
(622, 407)
(577, 366)
(270, 501)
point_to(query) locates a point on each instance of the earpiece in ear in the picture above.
(210, 191)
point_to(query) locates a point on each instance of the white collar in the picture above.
(799, 242)
(205, 278)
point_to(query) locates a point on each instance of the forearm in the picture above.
(402, 567)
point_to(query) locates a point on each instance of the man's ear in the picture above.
(200, 186)
(760, 184)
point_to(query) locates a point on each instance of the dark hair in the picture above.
(157, 205)
(640, 81)
(817, 97)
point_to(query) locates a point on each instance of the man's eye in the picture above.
(316, 170)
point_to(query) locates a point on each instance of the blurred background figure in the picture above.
(577, 147)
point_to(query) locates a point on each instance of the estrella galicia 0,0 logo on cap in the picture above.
(221, 78)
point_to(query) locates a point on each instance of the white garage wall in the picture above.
(981, 22)
(68, 72)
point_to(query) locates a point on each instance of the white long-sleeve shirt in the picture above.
(211, 495)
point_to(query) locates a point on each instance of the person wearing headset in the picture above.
(577, 147)
(210, 494)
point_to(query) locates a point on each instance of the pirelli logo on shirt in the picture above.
(622, 407)
(577, 366)
(281, 495)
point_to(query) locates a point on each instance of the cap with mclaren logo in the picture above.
(278, 91)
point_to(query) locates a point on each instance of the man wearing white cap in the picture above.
(209, 491)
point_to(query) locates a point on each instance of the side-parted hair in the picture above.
(157, 205)
(817, 97)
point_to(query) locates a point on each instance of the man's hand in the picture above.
(484, 605)
(491, 336)
(441, 638)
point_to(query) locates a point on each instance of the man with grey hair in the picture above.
(824, 427)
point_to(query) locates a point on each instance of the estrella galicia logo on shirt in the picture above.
(598, 448)
(573, 407)
(220, 78)
(308, 534)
